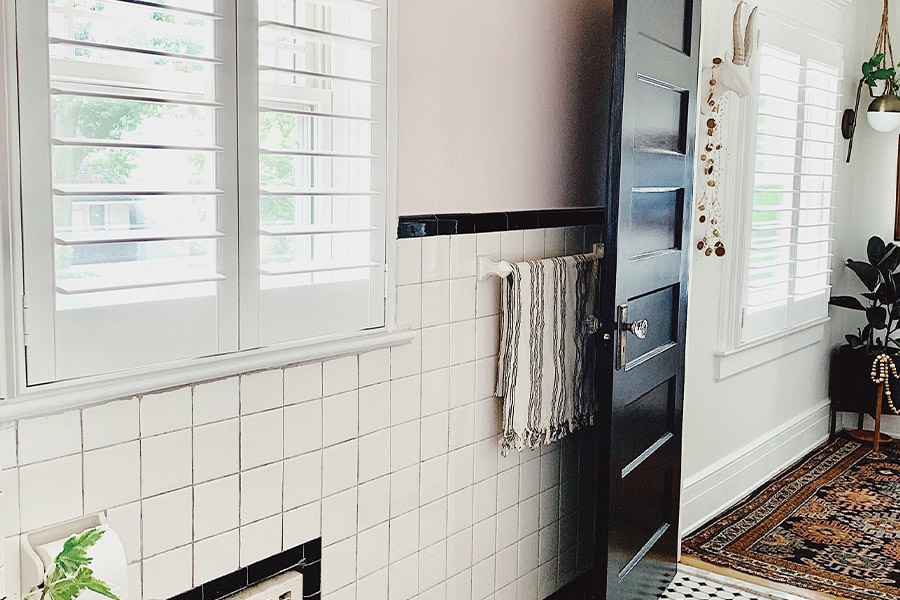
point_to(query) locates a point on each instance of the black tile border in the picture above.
(459, 223)
(305, 558)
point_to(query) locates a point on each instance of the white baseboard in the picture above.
(890, 424)
(715, 488)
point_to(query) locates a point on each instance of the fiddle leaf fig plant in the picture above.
(70, 574)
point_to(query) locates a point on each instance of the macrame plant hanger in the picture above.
(882, 46)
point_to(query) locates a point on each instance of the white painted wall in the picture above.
(873, 181)
(739, 431)
(487, 115)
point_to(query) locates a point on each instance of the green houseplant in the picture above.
(852, 388)
(70, 574)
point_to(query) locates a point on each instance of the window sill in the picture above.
(67, 395)
(759, 352)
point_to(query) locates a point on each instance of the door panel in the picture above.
(660, 212)
(649, 219)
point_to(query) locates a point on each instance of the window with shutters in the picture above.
(788, 264)
(199, 177)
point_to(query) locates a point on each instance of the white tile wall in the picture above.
(391, 457)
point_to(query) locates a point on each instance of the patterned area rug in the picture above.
(831, 524)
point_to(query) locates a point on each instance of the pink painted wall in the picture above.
(489, 97)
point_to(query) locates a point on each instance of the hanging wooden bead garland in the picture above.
(711, 215)
(882, 370)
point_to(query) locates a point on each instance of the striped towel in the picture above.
(547, 356)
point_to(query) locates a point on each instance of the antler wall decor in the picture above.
(725, 77)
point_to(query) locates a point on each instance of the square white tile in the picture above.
(459, 510)
(262, 391)
(165, 412)
(435, 432)
(435, 258)
(167, 521)
(340, 416)
(260, 439)
(406, 360)
(45, 438)
(462, 426)
(409, 261)
(339, 467)
(216, 507)
(112, 476)
(302, 427)
(50, 492)
(168, 574)
(217, 400)
(302, 480)
(374, 503)
(404, 535)
(406, 399)
(372, 550)
(261, 492)
(260, 540)
(216, 450)
(340, 375)
(338, 566)
(302, 525)
(433, 523)
(409, 306)
(433, 479)
(216, 557)
(405, 489)
(462, 255)
(166, 462)
(374, 367)
(302, 383)
(111, 423)
(462, 299)
(435, 348)
(375, 455)
(374, 408)
(405, 440)
(339, 516)
(462, 342)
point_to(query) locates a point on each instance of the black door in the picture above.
(648, 253)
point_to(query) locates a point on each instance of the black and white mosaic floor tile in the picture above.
(691, 587)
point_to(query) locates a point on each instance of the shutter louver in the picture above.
(322, 98)
(789, 262)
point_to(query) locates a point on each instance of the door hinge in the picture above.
(743, 316)
(26, 320)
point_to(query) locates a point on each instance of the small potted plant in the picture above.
(852, 387)
(70, 574)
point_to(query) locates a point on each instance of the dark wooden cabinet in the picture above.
(851, 387)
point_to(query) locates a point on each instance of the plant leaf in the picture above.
(877, 316)
(847, 302)
(64, 589)
(875, 250)
(891, 259)
(869, 275)
(854, 341)
(74, 554)
(86, 580)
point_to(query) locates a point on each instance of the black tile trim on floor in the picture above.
(458, 223)
(305, 558)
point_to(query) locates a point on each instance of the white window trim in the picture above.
(18, 400)
(734, 355)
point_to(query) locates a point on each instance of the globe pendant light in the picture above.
(883, 114)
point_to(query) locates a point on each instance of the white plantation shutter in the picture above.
(789, 256)
(322, 148)
(135, 188)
